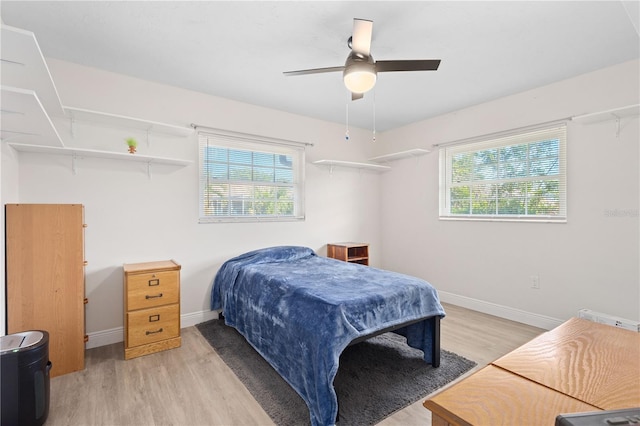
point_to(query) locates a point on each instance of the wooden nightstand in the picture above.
(349, 252)
(151, 307)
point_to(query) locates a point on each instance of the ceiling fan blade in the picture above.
(408, 65)
(361, 38)
(314, 71)
(356, 96)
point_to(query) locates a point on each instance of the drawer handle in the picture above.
(154, 332)
(154, 282)
(154, 318)
(153, 297)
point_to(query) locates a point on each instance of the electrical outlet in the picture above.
(535, 282)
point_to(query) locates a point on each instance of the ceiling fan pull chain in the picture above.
(346, 135)
(374, 115)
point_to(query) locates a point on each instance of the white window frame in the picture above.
(524, 136)
(253, 143)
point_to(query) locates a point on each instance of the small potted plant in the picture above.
(132, 144)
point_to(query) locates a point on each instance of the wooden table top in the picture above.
(594, 363)
(493, 396)
(160, 265)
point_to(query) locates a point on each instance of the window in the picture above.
(516, 177)
(250, 178)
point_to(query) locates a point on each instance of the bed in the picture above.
(300, 311)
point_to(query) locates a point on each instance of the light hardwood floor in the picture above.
(192, 386)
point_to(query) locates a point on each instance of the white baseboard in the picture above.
(187, 320)
(105, 337)
(513, 314)
(116, 335)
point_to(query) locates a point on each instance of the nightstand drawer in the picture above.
(152, 325)
(152, 289)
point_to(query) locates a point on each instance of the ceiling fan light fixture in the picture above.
(359, 81)
(360, 71)
(359, 76)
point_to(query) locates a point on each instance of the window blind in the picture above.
(244, 178)
(521, 176)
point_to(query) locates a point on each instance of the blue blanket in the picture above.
(300, 311)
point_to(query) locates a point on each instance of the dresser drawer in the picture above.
(152, 289)
(152, 325)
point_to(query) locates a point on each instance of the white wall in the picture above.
(132, 218)
(592, 261)
(8, 194)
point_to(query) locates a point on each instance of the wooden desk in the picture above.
(493, 396)
(579, 366)
(594, 363)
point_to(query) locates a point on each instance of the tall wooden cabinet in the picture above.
(45, 278)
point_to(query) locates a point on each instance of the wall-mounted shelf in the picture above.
(399, 155)
(351, 164)
(116, 120)
(612, 114)
(30, 98)
(24, 119)
(79, 153)
(24, 67)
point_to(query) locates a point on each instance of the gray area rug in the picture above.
(376, 377)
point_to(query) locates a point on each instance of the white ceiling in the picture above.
(238, 50)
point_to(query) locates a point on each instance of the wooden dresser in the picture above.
(45, 278)
(151, 307)
(349, 252)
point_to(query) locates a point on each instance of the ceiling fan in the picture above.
(360, 70)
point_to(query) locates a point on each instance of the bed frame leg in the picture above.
(220, 316)
(435, 332)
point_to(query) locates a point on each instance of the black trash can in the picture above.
(24, 360)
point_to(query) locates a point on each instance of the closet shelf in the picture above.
(81, 152)
(399, 155)
(612, 114)
(24, 67)
(116, 120)
(25, 120)
(351, 164)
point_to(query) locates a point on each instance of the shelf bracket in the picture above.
(148, 138)
(8, 138)
(72, 123)
(7, 61)
(149, 169)
(617, 127)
